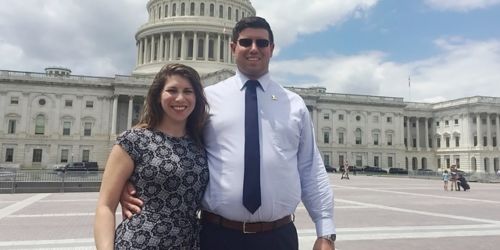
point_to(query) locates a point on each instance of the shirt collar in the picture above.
(264, 80)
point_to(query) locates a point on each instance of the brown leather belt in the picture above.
(245, 227)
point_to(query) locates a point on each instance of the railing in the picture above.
(36, 181)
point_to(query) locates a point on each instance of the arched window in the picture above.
(166, 10)
(40, 125)
(229, 13)
(159, 12)
(221, 11)
(174, 9)
(202, 9)
(358, 135)
(237, 16)
(183, 9)
(212, 9)
(191, 10)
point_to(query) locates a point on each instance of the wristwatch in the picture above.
(329, 237)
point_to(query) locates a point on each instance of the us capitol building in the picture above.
(56, 117)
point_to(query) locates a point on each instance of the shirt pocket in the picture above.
(286, 137)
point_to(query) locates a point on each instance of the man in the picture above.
(237, 213)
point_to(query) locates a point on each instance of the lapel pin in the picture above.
(274, 98)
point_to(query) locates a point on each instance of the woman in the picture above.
(163, 157)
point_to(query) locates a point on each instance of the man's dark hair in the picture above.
(252, 22)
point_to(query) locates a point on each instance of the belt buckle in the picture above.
(245, 229)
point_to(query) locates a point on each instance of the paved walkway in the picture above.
(371, 213)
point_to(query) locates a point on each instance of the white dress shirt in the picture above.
(291, 166)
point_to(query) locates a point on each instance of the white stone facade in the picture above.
(57, 117)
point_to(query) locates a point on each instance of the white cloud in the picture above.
(462, 68)
(461, 5)
(292, 18)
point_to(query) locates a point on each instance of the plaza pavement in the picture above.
(371, 213)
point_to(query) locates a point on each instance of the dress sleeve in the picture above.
(129, 140)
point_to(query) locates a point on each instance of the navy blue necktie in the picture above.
(251, 182)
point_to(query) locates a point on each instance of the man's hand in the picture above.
(130, 204)
(323, 244)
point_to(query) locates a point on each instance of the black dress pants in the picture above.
(216, 237)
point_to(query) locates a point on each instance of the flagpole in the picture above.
(409, 89)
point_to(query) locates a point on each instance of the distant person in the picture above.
(262, 156)
(345, 173)
(454, 178)
(446, 178)
(164, 158)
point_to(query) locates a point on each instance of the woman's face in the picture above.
(177, 99)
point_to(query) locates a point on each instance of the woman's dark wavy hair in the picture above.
(153, 113)
(252, 22)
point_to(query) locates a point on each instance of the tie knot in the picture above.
(253, 84)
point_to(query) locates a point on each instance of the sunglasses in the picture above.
(247, 42)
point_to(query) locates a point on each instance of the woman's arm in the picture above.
(118, 170)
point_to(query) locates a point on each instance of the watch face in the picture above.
(333, 237)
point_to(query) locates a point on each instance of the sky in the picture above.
(421, 50)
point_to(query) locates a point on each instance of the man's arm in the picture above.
(129, 203)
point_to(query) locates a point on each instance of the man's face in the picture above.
(252, 60)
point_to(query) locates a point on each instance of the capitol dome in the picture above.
(196, 33)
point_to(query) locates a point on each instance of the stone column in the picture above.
(114, 114)
(417, 135)
(195, 46)
(479, 132)
(229, 52)
(152, 49)
(427, 133)
(138, 46)
(129, 115)
(207, 37)
(401, 132)
(161, 50)
(497, 123)
(171, 49)
(183, 45)
(217, 54)
(144, 52)
(488, 130)
(408, 135)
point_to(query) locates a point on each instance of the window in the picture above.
(85, 155)
(87, 129)
(375, 161)
(438, 142)
(457, 162)
(326, 137)
(202, 9)
(494, 139)
(446, 123)
(89, 104)
(66, 128)
(447, 162)
(341, 160)
(37, 155)
(174, 9)
(485, 141)
(389, 161)
(456, 121)
(201, 46)
(375, 119)
(341, 117)
(341, 138)
(183, 9)
(68, 103)
(229, 13)
(430, 143)
(221, 11)
(389, 119)
(166, 10)
(191, 10)
(40, 125)
(326, 158)
(406, 142)
(212, 9)
(414, 142)
(237, 15)
(414, 124)
(447, 141)
(64, 155)
(9, 155)
(14, 100)
(375, 139)
(359, 160)
(439, 162)
(42, 102)
(475, 140)
(389, 139)
(211, 45)
(12, 127)
(357, 133)
(457, 141)
(437, 124)
(326, 116)
(358, 118)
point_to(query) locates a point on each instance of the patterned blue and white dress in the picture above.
(170, 176)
